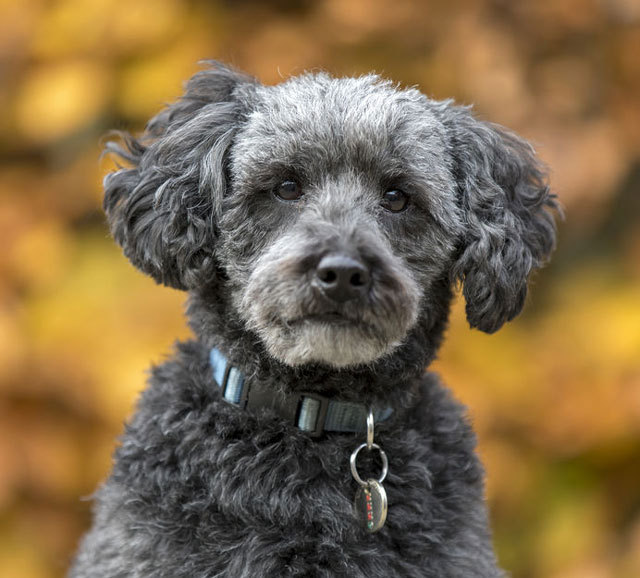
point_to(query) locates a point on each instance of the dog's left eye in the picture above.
(288, 191)
(395, 200)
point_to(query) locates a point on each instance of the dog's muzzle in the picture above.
(330, 299)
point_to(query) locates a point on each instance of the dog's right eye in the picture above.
(288, 191)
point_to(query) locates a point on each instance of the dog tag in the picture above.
(371, 505)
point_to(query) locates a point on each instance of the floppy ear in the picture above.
(507, 209)
(162, 210)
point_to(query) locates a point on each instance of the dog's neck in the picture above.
(390, 381)
(312, 413)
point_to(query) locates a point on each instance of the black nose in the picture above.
(342, 278)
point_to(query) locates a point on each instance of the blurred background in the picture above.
(555, 396)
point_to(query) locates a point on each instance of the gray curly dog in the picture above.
(319, 227)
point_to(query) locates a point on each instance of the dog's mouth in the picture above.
(328, 318)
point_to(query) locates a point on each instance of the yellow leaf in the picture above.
(59, 99)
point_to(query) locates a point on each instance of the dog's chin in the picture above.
(326, 339)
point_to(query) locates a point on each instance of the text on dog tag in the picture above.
(371, 505)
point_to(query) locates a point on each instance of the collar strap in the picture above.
(309, 412)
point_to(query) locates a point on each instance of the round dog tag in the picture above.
(371, 505)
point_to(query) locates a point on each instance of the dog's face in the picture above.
(341, 214)
(331, 207)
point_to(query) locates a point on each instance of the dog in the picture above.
(320, 228)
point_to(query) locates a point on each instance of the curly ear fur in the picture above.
(507, 208)
(162, 211)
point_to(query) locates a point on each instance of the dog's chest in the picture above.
(290, 505)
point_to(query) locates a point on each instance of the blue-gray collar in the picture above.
(310, 412)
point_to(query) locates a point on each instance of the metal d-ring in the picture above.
(370, 429)
(383, 457)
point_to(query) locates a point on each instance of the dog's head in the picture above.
(332, 212)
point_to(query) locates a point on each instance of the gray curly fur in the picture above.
(200, 488)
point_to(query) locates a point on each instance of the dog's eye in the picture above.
(288, 191)
(395, 201)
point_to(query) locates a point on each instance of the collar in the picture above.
(310, 412)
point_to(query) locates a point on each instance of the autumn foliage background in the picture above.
(554, 396)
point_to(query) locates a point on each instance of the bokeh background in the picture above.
(555, 396)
